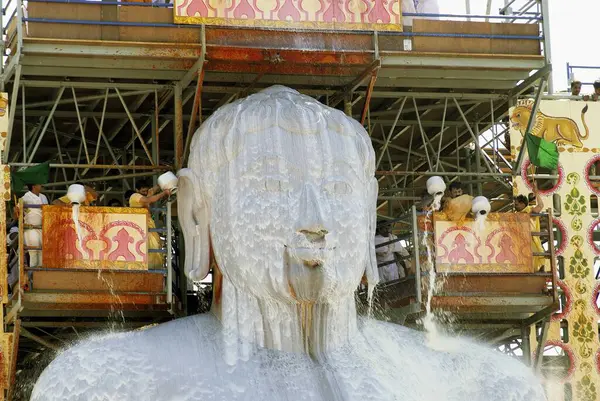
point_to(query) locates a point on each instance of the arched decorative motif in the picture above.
(562, 244)
(595, 188)
(566, 308)
(569, 355)
(528, 184)
(590, 236)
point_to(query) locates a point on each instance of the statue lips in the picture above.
(307, 270)
(313, 257)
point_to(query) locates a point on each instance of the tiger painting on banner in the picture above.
(573, 338)
(560, 130)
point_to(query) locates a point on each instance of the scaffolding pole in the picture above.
(534, 110)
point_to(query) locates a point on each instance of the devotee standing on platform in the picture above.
(522, 206)
(33, 217)
(576, 88)
(90, 196)
(143, 197)
(594, 96)
(386, 254)
(458, 204)
(456, 189)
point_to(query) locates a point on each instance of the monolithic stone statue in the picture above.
(279, 197)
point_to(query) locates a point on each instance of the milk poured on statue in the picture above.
(281, 188)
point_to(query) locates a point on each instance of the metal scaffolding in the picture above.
(110, 114)
(424, 112)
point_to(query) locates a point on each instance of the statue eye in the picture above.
(275, 185)
(519, 115)
(338, 187)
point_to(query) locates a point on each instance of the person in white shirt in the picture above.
(33, 217)
(386, 253)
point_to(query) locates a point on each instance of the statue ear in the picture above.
(372, 271)
(194, 220)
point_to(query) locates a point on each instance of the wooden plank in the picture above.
(475, 45)
(5, 363)
(499, 305)
(61, 280)
(12, 374)
(110, 13)
(91, 12)
(3, 256)
(66, 301)
(451, 45)
(494, 284)
(151, 34)
(511, 46)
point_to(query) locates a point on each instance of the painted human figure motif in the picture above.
(123, 239)
(506, 254)
(459, 252)
(281, 190)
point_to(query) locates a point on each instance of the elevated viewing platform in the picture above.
(485, 275)
(140, 41)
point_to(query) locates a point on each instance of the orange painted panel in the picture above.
(305, 14)
(501, 245)
(112, 238)
(117, 282)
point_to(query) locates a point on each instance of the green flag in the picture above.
(31, 175)
(541, 152)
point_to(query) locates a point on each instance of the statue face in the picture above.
(290, 215)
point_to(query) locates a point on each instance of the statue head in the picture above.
(283, 188)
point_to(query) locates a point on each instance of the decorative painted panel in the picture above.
(6, 342)
(572, 125)
(382, 15)
(501, 245)
(3, 120)
(112, 238)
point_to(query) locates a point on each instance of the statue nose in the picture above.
(312, 221)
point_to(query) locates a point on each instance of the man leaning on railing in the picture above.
(594, 97)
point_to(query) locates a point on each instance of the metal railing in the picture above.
(586, 68)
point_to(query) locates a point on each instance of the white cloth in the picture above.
(419, 6)
(34, 216)
(427, 6)
(33, 236)
(386, 254)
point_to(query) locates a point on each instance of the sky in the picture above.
(573, 29)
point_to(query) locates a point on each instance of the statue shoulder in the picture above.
(130, 366)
